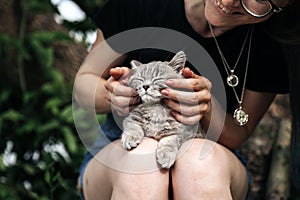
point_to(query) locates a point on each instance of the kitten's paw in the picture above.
(166, 156)
(130, 141)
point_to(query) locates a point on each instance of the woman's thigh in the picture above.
(203, 168)
(208, 170)
(115, 173)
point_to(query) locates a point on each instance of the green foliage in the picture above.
(38, 6)
(36, 125)
(39, 45)
(8, 42)
(41, 120)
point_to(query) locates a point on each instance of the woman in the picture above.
(251, 67)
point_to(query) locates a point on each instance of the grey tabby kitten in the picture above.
(152, 118)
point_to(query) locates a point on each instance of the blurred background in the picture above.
(42, 44)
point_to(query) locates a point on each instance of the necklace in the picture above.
(239, 115)
(232, 79)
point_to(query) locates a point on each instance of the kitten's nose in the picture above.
(146, 87)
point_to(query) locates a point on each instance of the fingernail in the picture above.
(174, 113)
(165, 92)
(169, 82)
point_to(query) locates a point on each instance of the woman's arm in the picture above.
(99, 87)
(192, 107)
(255, 104)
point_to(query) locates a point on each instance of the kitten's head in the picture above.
(149, 79)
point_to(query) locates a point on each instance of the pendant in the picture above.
(240, 116)
(232, 80)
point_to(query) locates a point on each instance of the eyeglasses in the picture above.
(260, 8)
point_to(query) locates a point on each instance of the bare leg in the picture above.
(119, 174)
(219, 175)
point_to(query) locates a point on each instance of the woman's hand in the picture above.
(122, 98)
(190, 98)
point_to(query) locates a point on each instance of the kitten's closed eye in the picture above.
(137, 81)
(160, 82)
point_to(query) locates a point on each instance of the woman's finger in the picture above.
(188, 73)
(194, 84)
(187, 97)
(187, 110)
(119, 72)
(192, 81)
(119, 89)
(122, 101)
(121, 111)
(189, 120)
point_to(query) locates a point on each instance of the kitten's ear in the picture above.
(178, 61)
(134, 64)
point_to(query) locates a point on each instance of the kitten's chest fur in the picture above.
(158, 121)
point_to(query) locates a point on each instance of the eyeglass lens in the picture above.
(257, 8)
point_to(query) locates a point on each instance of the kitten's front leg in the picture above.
(167, 150)
(133, 132)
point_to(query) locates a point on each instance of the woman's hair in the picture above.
(285, 26)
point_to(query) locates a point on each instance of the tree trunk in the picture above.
(278, 184)
(18, 24)
(259, 146)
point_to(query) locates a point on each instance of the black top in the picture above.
(267, 68)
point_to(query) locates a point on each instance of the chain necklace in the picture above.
(239, 115)
(232, 79)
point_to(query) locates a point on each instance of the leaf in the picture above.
(51, 125)
(4, 95)
(47, 177)
(67, 115)
(70, 139)
(43, 54)
(48, 88)
(56, 77)
(2, 165)
(30, 169)
(9, 41)
(12, 115)
(53, 105)
(39, 6)
(54, 88)
(29, 126)
(101, 118)
(47, 37)
(80, 120)
(29, 96)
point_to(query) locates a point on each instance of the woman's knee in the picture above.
(127, 174)
(138, 160)
(149, 185)
(137, 176)
(204, 157)
(203, 168)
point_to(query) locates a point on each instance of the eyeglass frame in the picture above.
(274, 9)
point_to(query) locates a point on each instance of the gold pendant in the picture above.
(232, 80)
(240, 116)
